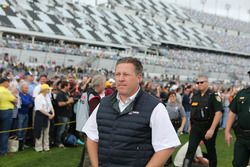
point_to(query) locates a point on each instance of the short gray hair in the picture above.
(23, 83)
(202, 76)
(97, 80)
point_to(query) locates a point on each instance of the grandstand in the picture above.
(165, 37)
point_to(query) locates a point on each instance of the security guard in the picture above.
(240, 107)
(206, 112)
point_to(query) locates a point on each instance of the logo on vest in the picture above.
(133, 112)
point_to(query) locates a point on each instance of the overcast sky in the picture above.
(238, 10)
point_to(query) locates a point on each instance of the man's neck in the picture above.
(204, 92)
(123, 98)
(64, 90)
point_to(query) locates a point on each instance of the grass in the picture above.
(57, 157)
(69, 157)
(224, 153)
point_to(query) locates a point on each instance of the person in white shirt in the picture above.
(199, 160)
(130, 127)
(42, 80)
(44, 112)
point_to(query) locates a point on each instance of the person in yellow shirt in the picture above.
(7, 102)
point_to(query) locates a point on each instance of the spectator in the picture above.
(27, 103)
(7, 101)
(108, 88)
(199, 160)
(176, 112)
(42, 80)
(187, 106)
(30, 79)
(44, 112)
(64, 111)
(93, 99)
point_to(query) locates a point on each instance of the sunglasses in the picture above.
(200, 82)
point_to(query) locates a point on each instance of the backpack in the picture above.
(70, 140)
(81, 109)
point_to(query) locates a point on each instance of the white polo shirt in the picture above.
(163, 132)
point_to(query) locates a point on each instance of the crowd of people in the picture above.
(32, 98)
(218, 21)
(208, 62)
(171, 58)
(230, 42)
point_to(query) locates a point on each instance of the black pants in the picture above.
(241, 152)
(84, 160)
(196, 135)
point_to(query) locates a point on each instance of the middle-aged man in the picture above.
(130, 128)
(240, 106)
(30, 80)
(206, 112)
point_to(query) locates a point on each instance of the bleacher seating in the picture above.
(96, 24)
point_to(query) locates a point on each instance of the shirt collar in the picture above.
(129, 99)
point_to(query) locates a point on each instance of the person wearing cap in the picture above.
(240, 109)
(176, 112)
(108, 88)
(7, 101)
(44, 112)
(31, 84)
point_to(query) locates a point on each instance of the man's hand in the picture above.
(180, 131)
(70, 100)
(209, 134)
(228, 138)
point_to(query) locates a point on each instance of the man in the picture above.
(198, 161)
(206, 112)
(27, 103)
(30, 79)
(130, 128)
(86, 105)
(187, 106)
(240, 107)
(42, 80)
(63, 111)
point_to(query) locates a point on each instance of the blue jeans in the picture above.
(224, 117)
(22, 122)
(61, 129)
(187, 121)
(5, 125)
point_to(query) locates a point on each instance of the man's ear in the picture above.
(139, 76)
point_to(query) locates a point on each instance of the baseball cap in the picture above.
(108, 84)
(111, 80)
(45, 86)
(2, 80)
(174, 87)
(28, 73)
